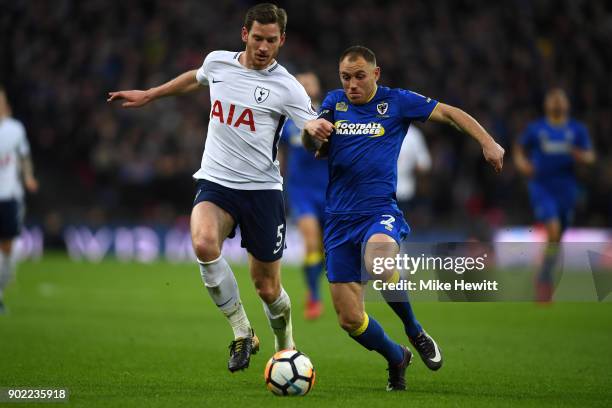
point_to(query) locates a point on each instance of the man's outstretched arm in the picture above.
(460, 120)
(180, 85)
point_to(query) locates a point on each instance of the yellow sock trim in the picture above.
(552, 249)
(313, 258)
(394, 278)
(363, 327)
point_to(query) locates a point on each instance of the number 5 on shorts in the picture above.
(280, 236)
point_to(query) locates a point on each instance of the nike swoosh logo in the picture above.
(438, 356)
(225, 303)
(215, 82)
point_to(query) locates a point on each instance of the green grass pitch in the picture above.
(122, 335)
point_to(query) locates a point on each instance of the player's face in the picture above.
(311, 84)
(358, 79)
(262, 44)
(556, 104)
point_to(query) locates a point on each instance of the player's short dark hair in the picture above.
(266, 13)
(555, 89)
(356, 51)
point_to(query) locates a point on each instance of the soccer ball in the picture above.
(289, 372)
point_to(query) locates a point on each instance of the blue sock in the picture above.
(313, 266)
(399, 302)
(372, 336)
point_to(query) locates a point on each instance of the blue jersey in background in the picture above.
(549, 149)
(306, 177)
(552, 190)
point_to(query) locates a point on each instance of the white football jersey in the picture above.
(413, 155)
(248, 111)
(13, 146)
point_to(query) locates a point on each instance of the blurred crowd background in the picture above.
(98, 163)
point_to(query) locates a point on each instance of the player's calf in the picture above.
(372, 336)
(279, 317)
(276, 302)
(223, 289)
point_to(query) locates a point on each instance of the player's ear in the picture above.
(282, 40)
(377, 73)
(244, 34)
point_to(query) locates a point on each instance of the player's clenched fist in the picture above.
(319, 129)
(494, 154)
(133, 99)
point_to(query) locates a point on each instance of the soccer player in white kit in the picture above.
(14, 162)
(239, 182)
(413, 157)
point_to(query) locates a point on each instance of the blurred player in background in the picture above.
(547, 154)
(15, 163)
(368, 123)
(413, 159)
(306, 181)
(239, 183)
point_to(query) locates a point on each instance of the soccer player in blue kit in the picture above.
(367, 124)
(546, 154)
(306, 182)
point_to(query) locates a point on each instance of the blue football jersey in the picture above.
(303, 170)
(365, 146)
(549, 148)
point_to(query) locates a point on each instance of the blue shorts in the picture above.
(260, 214)
(11, 218)
(345, 235)
(550, 202)
(306, 202)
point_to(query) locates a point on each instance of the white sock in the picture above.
(223, 289)
(279, 316)
(7, 267)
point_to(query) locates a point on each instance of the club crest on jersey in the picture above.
(261, 94)
(382, 108)
(341, 106)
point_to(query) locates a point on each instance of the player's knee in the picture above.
(350, 321)
(312, 245)
(553, 230)
(267, 291)
(207, 247)
(554, 236)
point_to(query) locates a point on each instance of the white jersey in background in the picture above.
(413, 155)
(13, 147)
(248, 111)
